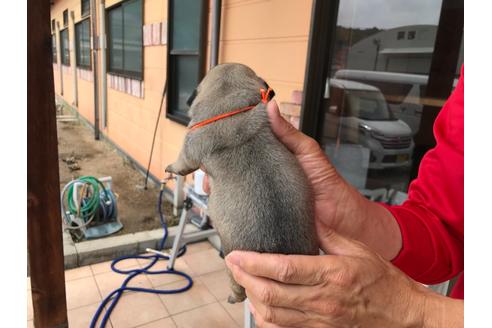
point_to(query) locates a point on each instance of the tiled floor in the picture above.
(203, 306)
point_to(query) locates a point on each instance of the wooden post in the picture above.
(44, 233)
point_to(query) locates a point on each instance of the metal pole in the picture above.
(215, 38)
(377, 43)
(74, 63)
(178, 197)
(94, 68)
(249, 320)
(164, 92)
(102, 44)
(177, 238)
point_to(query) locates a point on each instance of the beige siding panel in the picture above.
(283, 90)
(274, 61)
(67, 88)
(154, 11)
(155, 78)
(155, 57)
(265, 19)
(86, 99)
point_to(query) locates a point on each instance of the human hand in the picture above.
(354, 287)
(333, 197)
(337, 205)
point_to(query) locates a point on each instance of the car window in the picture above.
(367, 105)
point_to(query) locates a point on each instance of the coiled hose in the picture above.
(94, 197)
(116, 294)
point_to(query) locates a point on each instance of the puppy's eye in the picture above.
(191, 98)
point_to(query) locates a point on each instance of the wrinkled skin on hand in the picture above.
(354, 287)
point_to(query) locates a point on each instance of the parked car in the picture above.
(359, 114)
(404, 92)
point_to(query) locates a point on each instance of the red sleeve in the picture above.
(431, 220)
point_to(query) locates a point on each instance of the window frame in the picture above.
(54, 54)
(123, 73)
(77, 61)
(175, 114)
(88, 13)
(65, 18)
(68, 46)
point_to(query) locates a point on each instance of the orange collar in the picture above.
(264, 99)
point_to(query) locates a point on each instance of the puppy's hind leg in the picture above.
(238, 293)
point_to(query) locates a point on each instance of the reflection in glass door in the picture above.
(376, 92)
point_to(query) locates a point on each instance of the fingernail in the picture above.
(233, 258)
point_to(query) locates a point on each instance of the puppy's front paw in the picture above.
(176, 169)
(170, 169)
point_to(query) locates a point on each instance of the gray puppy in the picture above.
(260, 198)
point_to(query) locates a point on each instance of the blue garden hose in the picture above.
(116, 294)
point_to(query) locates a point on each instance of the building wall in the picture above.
(67, 71)
(405, 56)
(269, 36)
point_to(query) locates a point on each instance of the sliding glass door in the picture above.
(390, 66)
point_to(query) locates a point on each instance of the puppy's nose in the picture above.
(271, 94)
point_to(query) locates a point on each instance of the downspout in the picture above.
(102, 40)
(94, 68)
(215, 37)
(74, 64)
(60, 52)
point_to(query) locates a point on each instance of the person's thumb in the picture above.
(297, 142)
(333, 243)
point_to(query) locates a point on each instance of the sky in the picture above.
(386, 14)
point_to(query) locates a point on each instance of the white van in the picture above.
(358, 114)
(404, 93)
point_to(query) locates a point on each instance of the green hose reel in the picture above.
(89, 208)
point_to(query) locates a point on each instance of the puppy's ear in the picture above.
(272, 93)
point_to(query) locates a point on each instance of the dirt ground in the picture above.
(79, 154)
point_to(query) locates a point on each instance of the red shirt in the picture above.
(431, 220)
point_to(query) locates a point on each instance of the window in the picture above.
(53, 48)
(125, 39)
(65, 51)
(65, 18)
(186, 53)
(85, 7)
(376, 134)
(82, 43)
